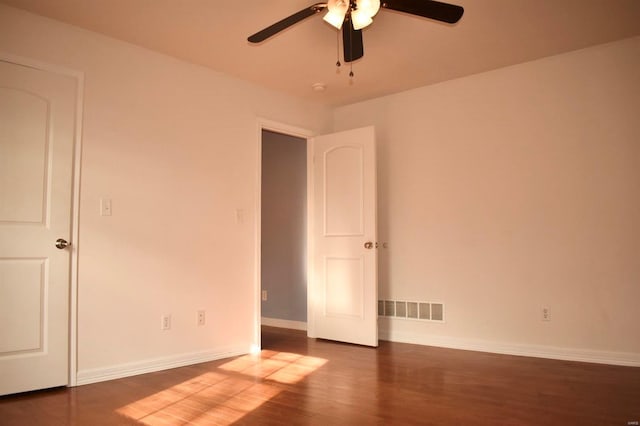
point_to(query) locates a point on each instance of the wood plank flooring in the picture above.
(300, 381)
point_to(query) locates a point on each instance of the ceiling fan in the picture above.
(353, 15)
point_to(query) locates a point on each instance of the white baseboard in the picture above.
(551, 352)
(95, 375)
(275, 322)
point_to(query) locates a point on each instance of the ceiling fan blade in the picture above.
(351, 42)
(445, 12)
(286, 22)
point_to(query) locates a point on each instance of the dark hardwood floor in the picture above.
(302, 381)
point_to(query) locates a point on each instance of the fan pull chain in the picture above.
(338, 49)
(351, 45)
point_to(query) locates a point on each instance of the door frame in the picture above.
(307, 135)
(75, 197)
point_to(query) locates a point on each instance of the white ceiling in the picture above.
(401, 51)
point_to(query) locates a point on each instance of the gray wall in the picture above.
(284, 198)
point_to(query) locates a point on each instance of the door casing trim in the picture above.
(279, 127)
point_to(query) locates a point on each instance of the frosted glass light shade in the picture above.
(337, 11)
(334, 18)
(371, 7)
(360, 19)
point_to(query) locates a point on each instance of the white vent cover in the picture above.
(412, 310)
(424, 311)
(389, 308)
(437, 312)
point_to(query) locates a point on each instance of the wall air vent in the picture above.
(425, 310)
(421, 311)
(437, 312)
(389, 308)
(412, 310)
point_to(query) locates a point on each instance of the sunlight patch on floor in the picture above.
(224, 396)
(282, 367)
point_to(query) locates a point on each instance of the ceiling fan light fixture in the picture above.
(370, 7)
(359, 14)
(364, 11)
(360, 19)
(337, 11)
(334, 18)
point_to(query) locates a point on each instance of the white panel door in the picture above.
(37, 121)
(344, 290)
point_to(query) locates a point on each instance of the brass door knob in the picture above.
(368, 245)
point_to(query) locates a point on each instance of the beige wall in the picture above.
(511, 190)
(175, 146)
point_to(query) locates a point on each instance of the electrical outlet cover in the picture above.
(546, 314)
(165, 322)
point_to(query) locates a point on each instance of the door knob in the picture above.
(61, 243)
(368, 245)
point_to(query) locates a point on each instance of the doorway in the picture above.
(283, 249)
(341, 208)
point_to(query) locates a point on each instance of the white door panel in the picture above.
(37, 122)
(343, 191)
(343, 299)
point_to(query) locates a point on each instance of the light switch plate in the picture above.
(105, 207)
(239, 216)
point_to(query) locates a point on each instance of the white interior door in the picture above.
(344, 290)
(37, 121)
